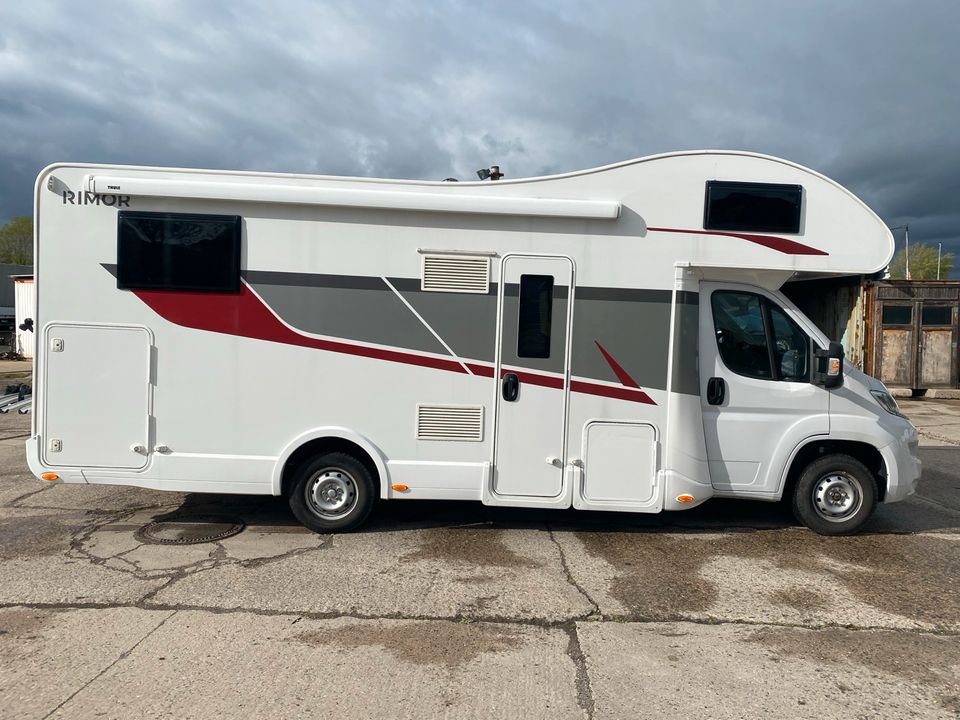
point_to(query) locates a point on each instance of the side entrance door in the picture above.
(756, 394)
(531, 376)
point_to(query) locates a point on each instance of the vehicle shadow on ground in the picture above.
(936, 507)
(713, 516)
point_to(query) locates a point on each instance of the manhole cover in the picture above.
(189, 530)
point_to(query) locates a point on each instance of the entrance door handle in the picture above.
(510, 387)
(716, 391)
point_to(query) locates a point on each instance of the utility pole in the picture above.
(939, 248)
(906, 237)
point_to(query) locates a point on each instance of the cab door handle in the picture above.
(716, 391)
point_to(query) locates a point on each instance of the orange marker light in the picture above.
(684, 498)
(49, 476)
(400, 487)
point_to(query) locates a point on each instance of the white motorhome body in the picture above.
(612, 339)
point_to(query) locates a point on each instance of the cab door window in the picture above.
(741, 337)
(757, 339)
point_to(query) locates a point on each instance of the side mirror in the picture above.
(828, 372)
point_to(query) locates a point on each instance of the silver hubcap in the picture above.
(837, 496)
(332, 493)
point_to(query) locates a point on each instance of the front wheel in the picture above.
(333, 492)
(835, 495)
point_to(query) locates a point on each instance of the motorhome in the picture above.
(611, 339)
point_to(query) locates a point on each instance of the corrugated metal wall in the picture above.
(26, 308)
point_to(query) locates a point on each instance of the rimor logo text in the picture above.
(88, 198)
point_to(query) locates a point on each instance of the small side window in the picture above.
(535, 316)
(897, 315)
(176, 251)
(936, 315)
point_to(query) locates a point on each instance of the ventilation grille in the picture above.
(456, 273)
(450, 422)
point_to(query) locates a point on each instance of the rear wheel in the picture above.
(835, 495)
(333, 492)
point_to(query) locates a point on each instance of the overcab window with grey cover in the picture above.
(752, 207)
(177, 251)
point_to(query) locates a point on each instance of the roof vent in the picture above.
(450, 422)
(456, 273)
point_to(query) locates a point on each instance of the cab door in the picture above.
(757, 399)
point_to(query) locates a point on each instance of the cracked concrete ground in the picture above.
(458, 610)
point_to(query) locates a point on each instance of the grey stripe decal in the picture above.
(427, 326)
(686, 374)
(295, 279)
(356, 282)
(633, 325)
(353, 313)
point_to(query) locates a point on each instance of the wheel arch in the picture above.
(326, 439)
(807, 452)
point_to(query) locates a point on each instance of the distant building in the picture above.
(8, 327)
(7, 296)
(26, 309)
(904, 332)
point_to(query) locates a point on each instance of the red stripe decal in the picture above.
(481, 370)
(622, 375)
(244, 314)
(618, 393)
(530, 378)
(784, 245)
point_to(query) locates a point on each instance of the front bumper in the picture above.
(903, 466)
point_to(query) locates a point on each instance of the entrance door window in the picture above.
(535, 316)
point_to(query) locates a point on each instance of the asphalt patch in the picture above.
(659, 575)
(420, 643)
(473, 546)
(920, 659)
(24, 536)
(21, 624)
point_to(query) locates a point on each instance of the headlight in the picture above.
(887, 402)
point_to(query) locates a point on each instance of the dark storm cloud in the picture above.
(866, 92)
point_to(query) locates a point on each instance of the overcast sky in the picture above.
(866, 92)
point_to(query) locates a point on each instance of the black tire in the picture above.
(835, 495)
(332, 492)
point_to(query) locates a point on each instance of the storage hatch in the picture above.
(96, 396)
